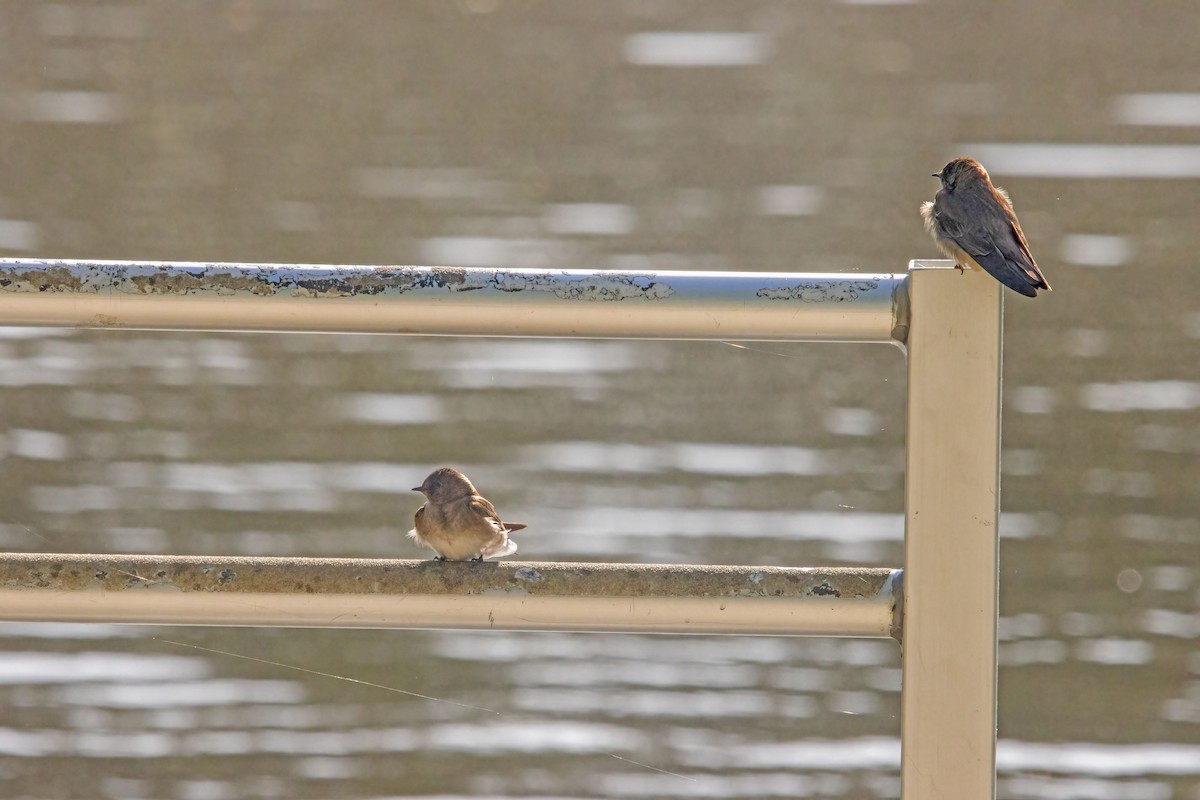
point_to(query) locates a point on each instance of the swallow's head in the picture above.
(963, 172)
(444, 485)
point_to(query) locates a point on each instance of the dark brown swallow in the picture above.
(974, 223)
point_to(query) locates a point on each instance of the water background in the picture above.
(780, 136)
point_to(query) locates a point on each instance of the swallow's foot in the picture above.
(439, 558)
(477, 559)
(961, 269)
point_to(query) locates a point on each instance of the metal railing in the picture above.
(942, 607)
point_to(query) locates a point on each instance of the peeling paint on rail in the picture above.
(454, 301)
(809, 292)
(116, 573)
(299, 281)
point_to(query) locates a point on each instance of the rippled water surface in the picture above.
(659, 135)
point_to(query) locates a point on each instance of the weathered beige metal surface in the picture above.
(952, 509)
(742, 306)
(377, 593)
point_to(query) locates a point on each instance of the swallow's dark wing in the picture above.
(1002, 253)
(417, 517)
(1016, 251)
(484, 508)
(983, 248)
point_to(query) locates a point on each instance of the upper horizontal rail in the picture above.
(742, 306)
(380, 593)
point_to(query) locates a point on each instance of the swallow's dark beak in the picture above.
(417, 488)
(936, 175)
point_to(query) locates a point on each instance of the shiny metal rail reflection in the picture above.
(379, 593)
(743, 306)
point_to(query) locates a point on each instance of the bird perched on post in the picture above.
(973, 222)
(458, 523)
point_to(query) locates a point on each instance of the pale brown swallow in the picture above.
(458, 523)
(974, 223)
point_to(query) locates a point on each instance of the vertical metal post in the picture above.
(952, 508)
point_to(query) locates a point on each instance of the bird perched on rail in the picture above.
(974, 223)
(457, 522)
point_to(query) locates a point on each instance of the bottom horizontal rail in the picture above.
(513, 595)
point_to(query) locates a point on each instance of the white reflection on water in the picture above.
(530, 357)
(1034, 399)
(1165, 438)
(699, 458)
(650, 703)
(1141, 396)
(492, 251)
(228, 691)
(10, 332)
(1164, 622)
(1172, 578)
(1109, 760)
(601, 671)
(70, 630)
(1087, 160)
(1115, 651)
(1148, 528)
(790, 201)
(426, 183)
(393, 409)
(17, 667)
(778, 784)
(525, 737)
(1033, 651)
(1036, 787)
(1022, 626)
(39, 445)
(615, 531)
(1118, 483)
(504, 646)
(852, 421)
(867, 752)
(75, 107)
(534, 736)
(41, 370)
(1179, 109)
(74, 499)
(697, 49)
(1095, 250)
(744, 460)
(591, 219)
(16, 234)
(1086, 342)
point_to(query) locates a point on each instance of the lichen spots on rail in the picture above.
(318, 281)
(838, 292)
(614, 286)
(115, 573)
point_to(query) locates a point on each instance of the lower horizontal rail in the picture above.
(380, 593)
